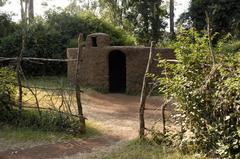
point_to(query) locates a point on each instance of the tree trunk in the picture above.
(171, 8)
(19, 59)
(31, 10)
(78, 90)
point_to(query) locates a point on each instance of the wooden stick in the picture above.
(37, 59)
(34, 94)
(144, 96)
(78, 89)
(42, 108)
(50, 89)
(163, 116)
(210, 38)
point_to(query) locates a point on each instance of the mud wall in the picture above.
(94, 65)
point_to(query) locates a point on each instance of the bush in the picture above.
(70, 25)
(206, 95)
(48, 121)
(7, 88)
(6, 25)
(50, 37)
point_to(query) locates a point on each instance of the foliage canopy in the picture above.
(224, 15)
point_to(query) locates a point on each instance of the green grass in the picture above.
(232, 47)
(10, 133)
(12, 137)
(18, 137)
(21, 134)
(144, 150)
(49, 81)
(59, 82)
(62, 82)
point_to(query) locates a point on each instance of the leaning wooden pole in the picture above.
(210, 38)
(19, 58)
(20, 91)
(144, 96)
(171, 9)
(77, 84)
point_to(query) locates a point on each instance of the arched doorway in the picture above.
(117, 72)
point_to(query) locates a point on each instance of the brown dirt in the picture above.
(115, 114)
(56, 150)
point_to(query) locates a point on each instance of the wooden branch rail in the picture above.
(152, 109)
(172, 60)
(42, 108)
(36, 59)
(53, 60)
(49, 88)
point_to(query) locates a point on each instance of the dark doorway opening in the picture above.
(94, 41)
(117, 72)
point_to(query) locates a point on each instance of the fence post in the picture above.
(20, 91)
(144, 96)
(18, 71)
(77, 86)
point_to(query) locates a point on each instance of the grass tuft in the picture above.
(144, 150)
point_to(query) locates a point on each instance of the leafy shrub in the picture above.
(6, 25)
(206, 95)
(232, 46)
(50, 37)
(7, 88)
(48, 121)
(70, 25)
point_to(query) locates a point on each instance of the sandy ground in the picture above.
(116, 115)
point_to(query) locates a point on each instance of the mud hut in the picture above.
(114, 68)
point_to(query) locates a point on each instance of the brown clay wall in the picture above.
(94, 65)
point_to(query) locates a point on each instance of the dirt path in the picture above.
(57, 150)
(115, 114)
(118, 113)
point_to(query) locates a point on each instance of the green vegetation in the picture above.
(224, 15)
(59, 82)
(50, 37)
(204, 83)
(7, 88)
(144, 150)
(49, 81)
(11, 136)
(232, 46)
(206, 88)
(49, 121)
(6, 25)
(46, 120)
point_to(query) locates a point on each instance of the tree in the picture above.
(73, 8)
(171, 15)
(27, 10)
(148, 19)
(31, 9)
(2, 2)
(223, 14)
(6, 25)
(77, 6)
(144, 18)
(116, 9)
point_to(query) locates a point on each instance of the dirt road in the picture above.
(116, 115)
